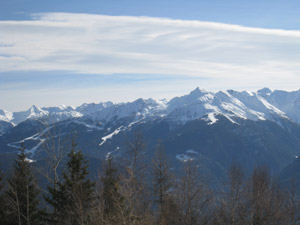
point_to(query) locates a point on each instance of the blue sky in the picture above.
(256, 13)
(71, 52)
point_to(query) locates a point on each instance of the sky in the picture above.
(72, 52)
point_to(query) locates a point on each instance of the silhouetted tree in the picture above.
(54, 149)
(231, 209)
(21, 197)
(193, 196)
(264, 200)
(133, 188)
(292, 208)
(74, 196)
(112, 199)
(162, 182)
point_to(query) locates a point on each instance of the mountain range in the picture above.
(214, 129)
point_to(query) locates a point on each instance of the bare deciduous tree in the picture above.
(292, 209)
(135, 208)
(265, 201)
(54, 147)
(193, 197)
(230, 210)
(162, 181)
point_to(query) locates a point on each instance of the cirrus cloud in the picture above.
(224, 56)
(86, 43)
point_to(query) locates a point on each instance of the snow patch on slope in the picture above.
(189, 155)
(211, 117)
(35, 137)
(108, 155)
(5, 115)
(109, 136)
(184, 157)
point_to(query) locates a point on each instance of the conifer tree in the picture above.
(74, 195)
(162, 184)
(22, 194)
(162, 175)
(111, 195)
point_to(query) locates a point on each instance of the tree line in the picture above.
(129, 192)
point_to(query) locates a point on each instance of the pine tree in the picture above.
(111, 195)
(162, 175)
(162, 183)
(74, 195)
(22, 194)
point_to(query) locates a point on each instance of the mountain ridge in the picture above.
(261, 105)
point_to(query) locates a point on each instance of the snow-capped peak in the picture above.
(288, 102)
(36, 111)
(200, 103)
(264, 92)
(231, 104)
(5, 115)
(62, 107)
(88, 108)
(198, 91)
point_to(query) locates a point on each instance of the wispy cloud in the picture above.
(116, 44)
(226, 56)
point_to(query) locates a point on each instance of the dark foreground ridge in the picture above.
(130, 191)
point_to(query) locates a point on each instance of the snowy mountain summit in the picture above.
(198, 104)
